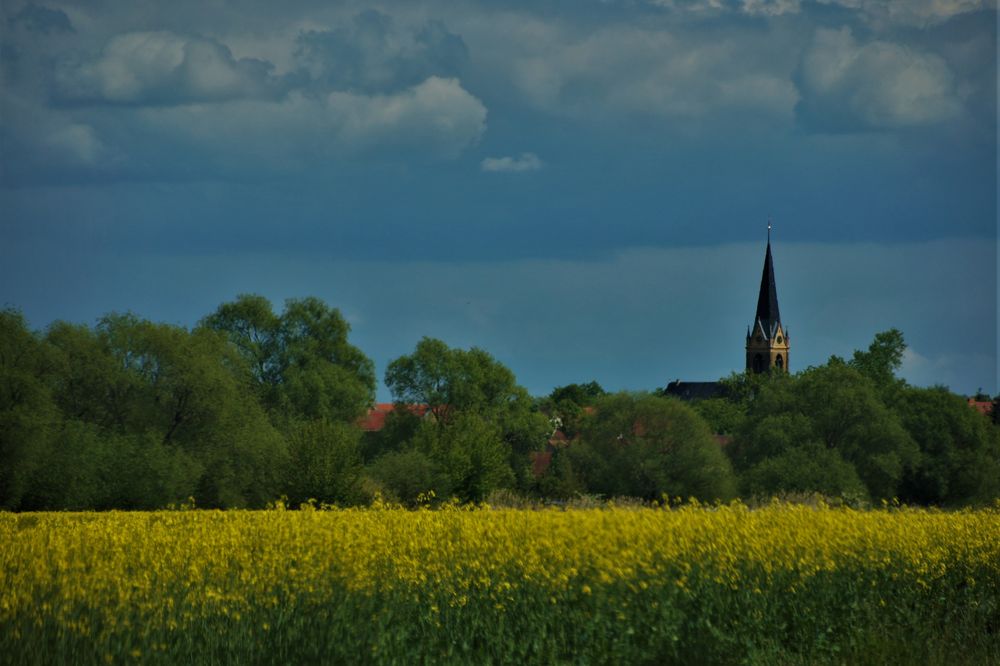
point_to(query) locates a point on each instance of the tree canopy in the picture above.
(301, 362)
(856, 429)
(483, 424)
(453, 381)
(135, 414)
(649, 446)
(252, 405)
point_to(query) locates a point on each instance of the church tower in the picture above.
(767, 339)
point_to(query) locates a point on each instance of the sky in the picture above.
(580, 187)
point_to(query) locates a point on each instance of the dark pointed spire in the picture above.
(767, 300)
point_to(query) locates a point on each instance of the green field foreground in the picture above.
(783, 584)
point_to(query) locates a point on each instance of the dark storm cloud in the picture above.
(37, 18)
(152, 68)
(135, 84)
(137, 104)
(556, 163)
(163, 68)
(372, 54)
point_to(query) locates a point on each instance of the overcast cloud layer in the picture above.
(444, 144)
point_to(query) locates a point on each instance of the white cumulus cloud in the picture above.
(76, 143)
(439, 110)
(164, 68)
(191, 91)
(44, 137)
(436, 117)
(879, 13)
(645, 71)
(878, 85)
(769, 7)
(525, 162)
(917, 13)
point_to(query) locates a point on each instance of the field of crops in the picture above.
(782, 584)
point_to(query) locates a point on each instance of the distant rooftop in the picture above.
(981, 406)
(374, 421)
(696, 390)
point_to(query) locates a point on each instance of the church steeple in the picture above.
(767, 340)
(767, 300)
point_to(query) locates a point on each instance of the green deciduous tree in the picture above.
(470, 452)
(453, 381)
(409, 474)
(880, 363)
(28, 415)
(325, 463)
(89, 382)
(582, 395)
(883, 358)
(724, 416)
(172, 403)
(399, 427)
(302, 364)
(648, 446)
(472, 389)
(960, 449)
(254, 329)
(836, 407)
(135, 414)
(804, 468)
(570, 405)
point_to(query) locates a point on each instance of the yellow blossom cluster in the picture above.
(506, 585)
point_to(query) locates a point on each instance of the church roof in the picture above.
(696, 390)
(767, 300)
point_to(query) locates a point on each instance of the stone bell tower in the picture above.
(767, 339)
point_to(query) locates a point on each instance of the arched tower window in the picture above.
(780, 362)
(758, 363)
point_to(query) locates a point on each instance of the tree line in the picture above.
(251, 405)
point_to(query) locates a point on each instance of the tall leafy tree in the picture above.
(568, 404)
(90, 383)
(325, 463)
(648, 446)
(301, 361)
(960, 449)
(881, 362)
(28, 415)
(172, 405)
(452, 381)
(883, 357)
(455, 381)
(254, 329)
(406, 475)
(837, 408)
(805, 468)
(471, 454)
(580, 394)
(469, 389)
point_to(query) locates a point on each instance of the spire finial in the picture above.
(768, 228)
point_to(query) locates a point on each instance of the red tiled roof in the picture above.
(374, 421)
(981, 406)
(540, 461)
(723, 440)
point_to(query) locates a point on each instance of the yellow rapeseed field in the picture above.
(720, 584)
